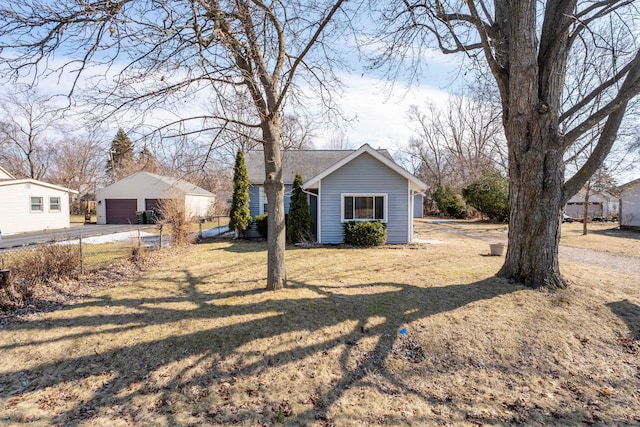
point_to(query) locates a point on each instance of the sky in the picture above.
(380, 118)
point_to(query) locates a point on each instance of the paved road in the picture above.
(86, 230)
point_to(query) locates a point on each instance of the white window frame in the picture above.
(51, 208)
(31, 204)
(385, 209)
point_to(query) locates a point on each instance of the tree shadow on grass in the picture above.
(233, 324)
(630, 314)
(195, 368)
(617, 232)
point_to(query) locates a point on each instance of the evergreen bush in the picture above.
(449, 202)
(239, 215)
(489, 195)
(365, 233)
(299, 219)
(262, 225)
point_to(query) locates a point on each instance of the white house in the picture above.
(145, 191)
(601, 205)
(630, 205)
(32, 205)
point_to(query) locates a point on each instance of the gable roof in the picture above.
(629, 184)
(10, 182)
(416, 184)
(177, 183)
(4, 174)
(308, 162)
(580, 195)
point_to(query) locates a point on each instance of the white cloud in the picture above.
(380, 117)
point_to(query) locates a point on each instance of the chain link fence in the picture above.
(55, 270)
(90, 252)
(93, 252)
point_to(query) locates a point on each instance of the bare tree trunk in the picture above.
(274, 189)
(534, 223)
(585, 212)
(536, 167)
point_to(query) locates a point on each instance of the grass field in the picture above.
(398, 335)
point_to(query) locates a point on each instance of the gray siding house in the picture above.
(344, 185)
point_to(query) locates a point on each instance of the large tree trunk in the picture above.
(534, 225)
(536, 169)
(274, 189)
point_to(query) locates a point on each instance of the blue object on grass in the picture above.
(403, 331)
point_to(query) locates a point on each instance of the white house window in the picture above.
(36, 204)
(364, 207)
(54, 204)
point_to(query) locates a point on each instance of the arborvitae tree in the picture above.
(239, 216)
(121, 152)
(299, 219)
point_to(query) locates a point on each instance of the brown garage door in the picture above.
(121, 211)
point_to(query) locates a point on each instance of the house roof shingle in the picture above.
(309, 163)
(180, 184)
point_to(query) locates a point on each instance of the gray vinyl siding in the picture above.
(418, 201)
(364, 174)
(254, 204)
(254, 207)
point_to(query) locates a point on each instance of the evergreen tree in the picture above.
(147, 161)
(489, 195)
(299, 219)
(121, 152)
(239, 216)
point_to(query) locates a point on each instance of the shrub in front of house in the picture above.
(262, 225)
(367, 233)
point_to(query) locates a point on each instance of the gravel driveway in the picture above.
(605, 260)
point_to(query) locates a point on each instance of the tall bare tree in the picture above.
(456, 141)
(77, 163)
(169, 53)
(25, 145)
(526, 45)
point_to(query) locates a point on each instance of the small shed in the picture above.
(120, 202)
(630, 205)
(32, 205)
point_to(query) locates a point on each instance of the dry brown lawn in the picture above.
(200, 342)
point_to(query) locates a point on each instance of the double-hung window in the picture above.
(54, 204)
(364, 207)
(37, 204)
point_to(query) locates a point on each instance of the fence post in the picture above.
(4, 278)
(81, 257)
(160, 247)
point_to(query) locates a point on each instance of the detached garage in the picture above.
(145, 191)
(630, 205)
